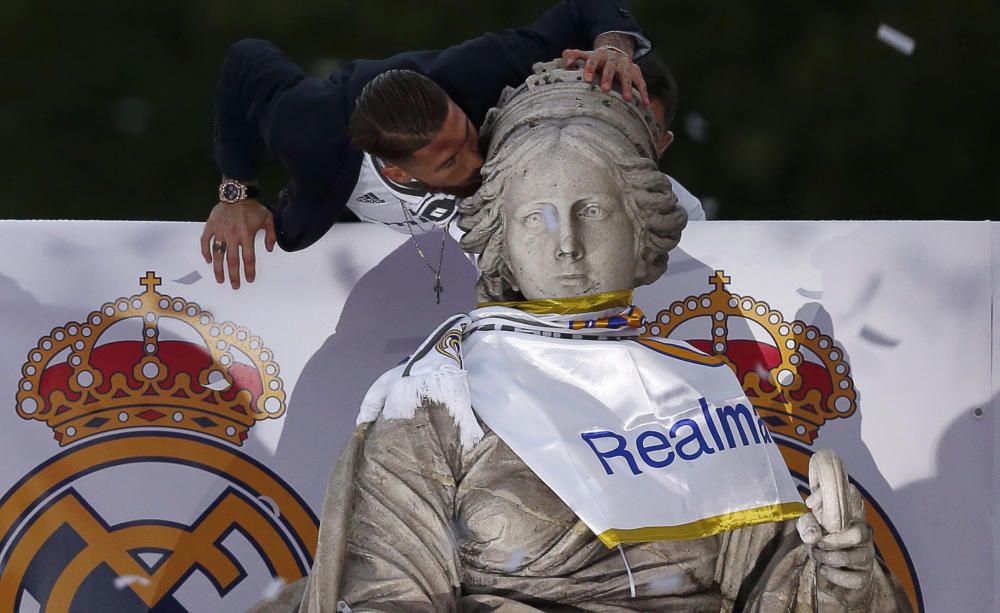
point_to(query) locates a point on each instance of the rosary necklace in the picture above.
(438, 288)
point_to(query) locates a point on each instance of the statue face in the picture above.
(567, 231)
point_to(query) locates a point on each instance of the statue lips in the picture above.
(571, 277)
(579, 281)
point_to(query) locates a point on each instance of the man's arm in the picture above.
(254, 74)
(475, 72)
(613, 53)
(577, 24)
(264, 100)
(608, 28)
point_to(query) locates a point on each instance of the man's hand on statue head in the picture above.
(609, 63)
(229, 236)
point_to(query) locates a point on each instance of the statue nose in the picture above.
(569, 247)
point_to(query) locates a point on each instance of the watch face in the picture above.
(230, 192)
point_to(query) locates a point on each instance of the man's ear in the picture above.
(395, 173)
(665, 140)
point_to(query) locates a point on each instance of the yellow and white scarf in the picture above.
(644, 438)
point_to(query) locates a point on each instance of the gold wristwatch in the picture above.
(232, 191)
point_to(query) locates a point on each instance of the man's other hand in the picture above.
(229, 234)
(609, 64)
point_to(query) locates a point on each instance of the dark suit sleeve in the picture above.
(571, 24)
(264, 101)
(475, 72)
(253, 77)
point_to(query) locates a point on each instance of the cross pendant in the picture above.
(438, 288)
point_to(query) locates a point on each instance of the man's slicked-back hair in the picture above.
(660, 83)
(397, 113)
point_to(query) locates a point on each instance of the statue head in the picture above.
(572, 201)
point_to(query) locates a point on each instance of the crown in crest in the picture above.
(197, 386)
(797, 380)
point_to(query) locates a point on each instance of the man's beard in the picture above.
(462, 190)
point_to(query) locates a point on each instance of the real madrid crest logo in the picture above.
(797, 378)
(151, 501)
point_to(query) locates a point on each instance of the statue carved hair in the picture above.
(555, 108)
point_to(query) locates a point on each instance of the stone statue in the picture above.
(433, 505)
(545, 152)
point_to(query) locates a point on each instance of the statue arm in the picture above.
(400, 551)
(768, 568)
(825, 561)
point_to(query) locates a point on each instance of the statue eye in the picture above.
(533, 220)
(592, 211)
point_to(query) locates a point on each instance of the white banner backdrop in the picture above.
(167, 440)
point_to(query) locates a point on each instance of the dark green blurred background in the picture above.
(789, 110)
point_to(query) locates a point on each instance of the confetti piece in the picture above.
(876, 337)
(217, 382)
(516, 559)
(189, 278)
(711, 207)
(126, 580)
(696, 127)
(896, 39)
(810, 293)
(272, 589)
(666, 584)
(275, 511)
(218, 386)
(549, 215)
(29, 604)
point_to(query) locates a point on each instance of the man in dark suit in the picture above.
(265, 100)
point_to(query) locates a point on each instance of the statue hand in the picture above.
(837, 533)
